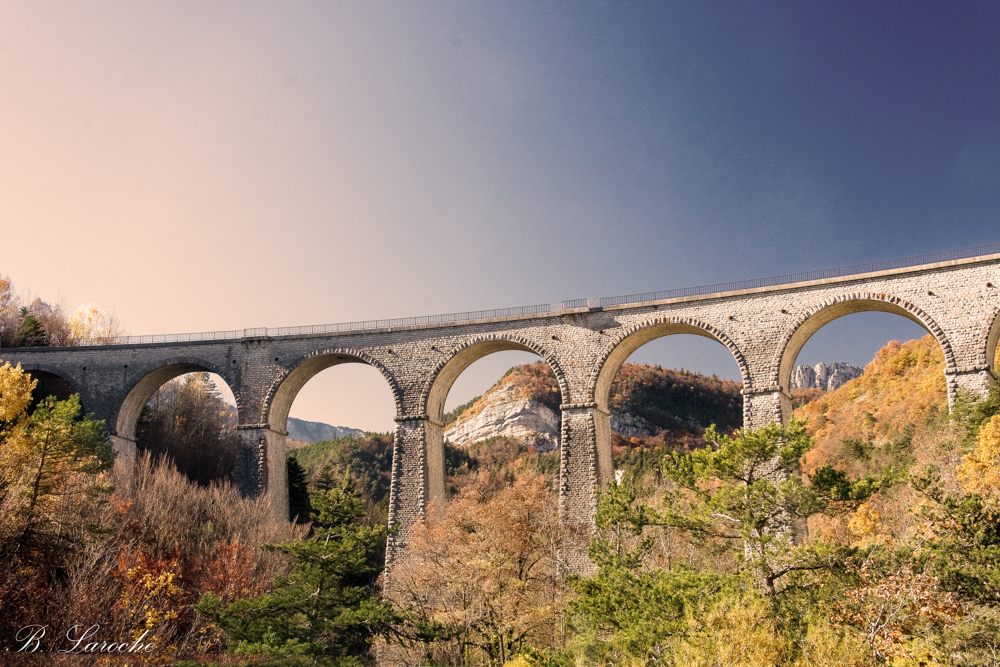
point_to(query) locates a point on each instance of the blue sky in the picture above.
(201, 166)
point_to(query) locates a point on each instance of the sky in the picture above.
(199, 166)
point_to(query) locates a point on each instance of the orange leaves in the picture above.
(893, 605)
(979, 471)
(232, 573)
(485, 567)
(901, 387)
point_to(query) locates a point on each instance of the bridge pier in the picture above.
(417, 476)
(977, 380)
(585, 466)
(764, 405)
(261, 467)
(125, 448)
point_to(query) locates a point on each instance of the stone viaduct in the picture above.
(954, 296)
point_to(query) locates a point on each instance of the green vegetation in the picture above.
(324, 610)
(367, 460)
(866, 532)
(187, 421)
(679, 402)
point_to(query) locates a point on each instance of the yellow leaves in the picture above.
(979, 471)
(741, 633)
(865, 523)
(15, 445)
(15, 393)
(88, 322)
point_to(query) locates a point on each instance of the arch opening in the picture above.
(183, 411)
(661, 384)
(631, 340)
(142, 391)
(869, 377)
(491, 419)
(191, 420)
(812, 321)
(448, 372)
(49, 384)
(282, 396)
(332, 414)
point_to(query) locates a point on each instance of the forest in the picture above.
(864, 532)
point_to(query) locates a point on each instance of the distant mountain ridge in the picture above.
(306, 431)
(828, 377)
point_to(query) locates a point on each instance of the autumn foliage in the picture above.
(480, 579)
(126, 548)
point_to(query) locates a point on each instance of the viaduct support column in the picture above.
(125, 448)
(763, 405)
(417, 476)
(261, 467)
(584, 468)
(977, 380)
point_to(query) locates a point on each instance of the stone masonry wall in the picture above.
(958, 302)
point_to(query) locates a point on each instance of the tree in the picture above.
(29, 332)
(299, 508)
(747, 490)
(63, 450)
(188, 421)
(327, 608)
(48, 487)
(481, 575)
(88, 323)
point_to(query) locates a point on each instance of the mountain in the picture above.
(647, 402)
(523, 405)
(823, 376)
(871, 420)
(306, 431)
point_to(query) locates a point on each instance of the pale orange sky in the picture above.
(210, 166)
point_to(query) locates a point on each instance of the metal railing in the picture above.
(544, 308)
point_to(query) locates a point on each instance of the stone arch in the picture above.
(286, 386)
(151, 380)
(52, 381)
(631, 338)
(813, 319)
(452, 365)
(988, 338)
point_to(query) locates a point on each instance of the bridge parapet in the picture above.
(763, 326)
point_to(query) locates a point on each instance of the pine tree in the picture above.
(30, 332)
(328, 608)
(326, 480)
(299, 508)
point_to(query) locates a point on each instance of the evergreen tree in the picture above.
(30, 332)
(326, 480)
(327, 610)
(299, 508)
(747, 490)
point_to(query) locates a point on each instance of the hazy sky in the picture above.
(219, 165)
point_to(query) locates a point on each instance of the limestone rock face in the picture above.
(629, 425)
(823, 376)
(508, 413)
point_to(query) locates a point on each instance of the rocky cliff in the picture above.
(822, 376)
(506, 410)
(646, 401)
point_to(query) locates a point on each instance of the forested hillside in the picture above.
(864, 533)
(673, 408)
